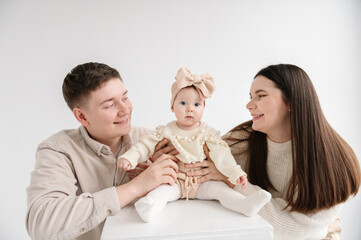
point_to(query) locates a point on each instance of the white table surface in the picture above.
(193, 219)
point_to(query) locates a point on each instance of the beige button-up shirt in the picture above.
(72, 188)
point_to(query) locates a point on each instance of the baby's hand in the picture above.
(243, 181)
(124, 164)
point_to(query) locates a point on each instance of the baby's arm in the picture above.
(224, 161)
(139, 152)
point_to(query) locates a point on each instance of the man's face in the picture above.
(108, 112)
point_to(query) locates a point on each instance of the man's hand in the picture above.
(159, 150)
(162, 171)
(137, 170)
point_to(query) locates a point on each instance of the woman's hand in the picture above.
(137, 170)
(161, 149)
(208, 171)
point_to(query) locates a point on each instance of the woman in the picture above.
(290, 150)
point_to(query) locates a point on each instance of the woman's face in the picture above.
(270, 113)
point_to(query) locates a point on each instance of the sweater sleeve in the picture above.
(294, 225)
(223, 159)
(142, 150)
(54, 209)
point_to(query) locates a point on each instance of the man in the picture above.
(75, 184)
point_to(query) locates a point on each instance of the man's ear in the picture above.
(80, 116)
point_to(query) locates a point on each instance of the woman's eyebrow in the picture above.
(260, 90)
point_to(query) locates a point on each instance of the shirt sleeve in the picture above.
(142, 149)
(54, 209)
(294, 225)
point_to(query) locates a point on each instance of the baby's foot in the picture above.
(145, 208)
(256, 201)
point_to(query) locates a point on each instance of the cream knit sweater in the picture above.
(287, 225)
(190, 147)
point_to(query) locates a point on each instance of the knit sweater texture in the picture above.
(286, 224)
(189, 144)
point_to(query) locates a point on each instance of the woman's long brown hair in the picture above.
(325, 168)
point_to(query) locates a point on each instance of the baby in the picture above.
(188, 134)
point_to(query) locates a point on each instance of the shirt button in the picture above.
(105, 150)
(109, 211)
(82, 229)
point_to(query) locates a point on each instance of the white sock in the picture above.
(155, 201)
(232, 199)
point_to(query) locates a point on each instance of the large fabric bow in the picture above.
(204, 83)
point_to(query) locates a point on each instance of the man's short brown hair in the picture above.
(84, 79)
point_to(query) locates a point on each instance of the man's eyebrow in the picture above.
(107, 100)
(111, 99)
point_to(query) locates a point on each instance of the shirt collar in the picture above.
(100, 148)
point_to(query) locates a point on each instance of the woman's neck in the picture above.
(280, 138)
(280, 134)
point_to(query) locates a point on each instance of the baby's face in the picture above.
(188, 108)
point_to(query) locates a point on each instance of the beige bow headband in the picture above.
(204, 83)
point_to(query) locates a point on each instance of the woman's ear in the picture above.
(288, 105)
(80, 116)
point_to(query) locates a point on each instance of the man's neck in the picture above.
(114, 145)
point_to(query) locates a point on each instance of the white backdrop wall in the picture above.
(148, 41)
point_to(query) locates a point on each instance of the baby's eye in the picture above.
(182, 103)
(197, 104)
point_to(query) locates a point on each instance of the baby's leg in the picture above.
(232, 199)
(154, 202)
